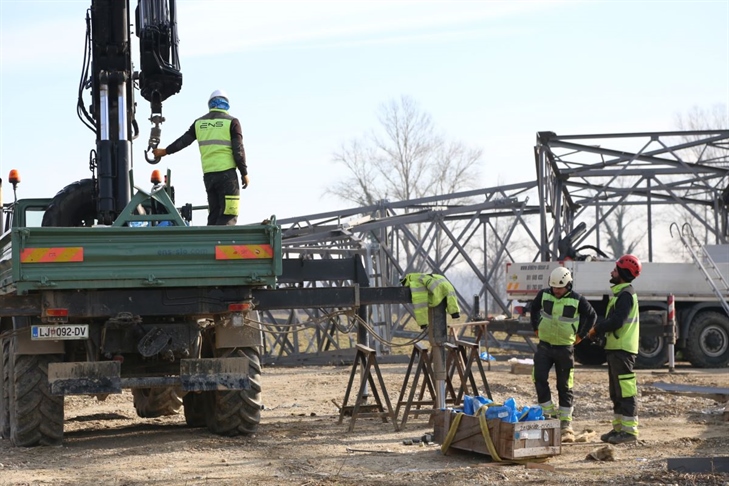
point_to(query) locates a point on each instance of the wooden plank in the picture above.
(720, 394)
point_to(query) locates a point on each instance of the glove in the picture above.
(159, 153)
(578, 340)
(245, 181)
(592, 334)
(536, 333)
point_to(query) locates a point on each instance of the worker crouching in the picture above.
(560, 317)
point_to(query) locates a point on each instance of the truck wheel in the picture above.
(4, 390)
(72, 206)
(652, 349)
(707, 342)
(589, 354)
(156, 402)
(235, 412)
(36, 416)
(194, 404)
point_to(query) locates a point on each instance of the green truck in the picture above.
(164, 310)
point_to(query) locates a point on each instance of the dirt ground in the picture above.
(300, 442)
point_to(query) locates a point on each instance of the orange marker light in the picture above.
(156, 177)
(57, 312)
(239, 307)
(14, 177)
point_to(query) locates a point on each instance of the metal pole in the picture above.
(438, 335)
(671, 333)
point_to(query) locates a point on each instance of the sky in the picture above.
(306, 77)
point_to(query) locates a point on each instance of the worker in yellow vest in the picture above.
(429, 290)
(621, 327)
(559, 316)
(220, 138)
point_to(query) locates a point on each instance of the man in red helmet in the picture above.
(621, 327)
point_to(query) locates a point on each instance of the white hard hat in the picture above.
(218, 93)
(560, 277)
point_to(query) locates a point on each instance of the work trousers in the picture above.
(623, 387)
(563, 360)
(223, 190)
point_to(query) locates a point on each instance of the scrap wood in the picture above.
(386, 451)
(720, 394)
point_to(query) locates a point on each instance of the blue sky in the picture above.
(306, 77)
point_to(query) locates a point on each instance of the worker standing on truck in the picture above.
(621, 327)
(220, 138)
(560, 317)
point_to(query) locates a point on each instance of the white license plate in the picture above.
(58, 332)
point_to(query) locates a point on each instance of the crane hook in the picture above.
(155, 137)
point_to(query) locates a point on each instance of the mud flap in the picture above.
(82, 378)
(209, 374)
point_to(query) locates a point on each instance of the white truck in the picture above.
(702, 323)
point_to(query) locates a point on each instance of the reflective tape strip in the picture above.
(243, 252)
(224, 143)
(52, 255)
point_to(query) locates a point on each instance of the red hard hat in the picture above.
(630, 263)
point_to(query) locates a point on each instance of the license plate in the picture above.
(60, 332)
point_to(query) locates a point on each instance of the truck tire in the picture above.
(156, 402)
(36, 416)
(236, 412)
(652, 349)
(72, 206)
(707, 340)
(194, 403)
(589, 354)
(5, 390)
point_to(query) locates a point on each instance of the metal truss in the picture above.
(470, 236)
(585, 178)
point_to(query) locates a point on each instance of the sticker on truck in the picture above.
(59, 332)
(243, 252)
(52, 255)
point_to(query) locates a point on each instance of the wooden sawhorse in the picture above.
(367, 359)
(424, 366)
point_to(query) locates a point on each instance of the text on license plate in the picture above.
(60, 331)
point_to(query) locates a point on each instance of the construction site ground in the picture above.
(300, 441)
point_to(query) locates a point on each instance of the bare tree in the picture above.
(406, 158)
(616, 227)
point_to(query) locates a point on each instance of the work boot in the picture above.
(609, 435)
(568, 435)
(622, 438)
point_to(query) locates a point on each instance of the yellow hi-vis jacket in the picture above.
(429, 290)
(213, 138)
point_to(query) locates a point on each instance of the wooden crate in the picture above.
(542, 438)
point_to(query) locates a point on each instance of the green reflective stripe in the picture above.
(629, 424)
(628, 385)
(225, 143)
(548, 408)
(617, 422)
(571, 379)
(565, 414)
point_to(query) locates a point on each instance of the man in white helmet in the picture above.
(559, 317)
(220, 138)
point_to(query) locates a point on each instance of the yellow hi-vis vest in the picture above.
(213, 138)
(429, 290)
(554, 327)
(627, 337)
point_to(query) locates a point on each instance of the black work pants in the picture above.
(622, 383)
(223, 190)
(563, 360)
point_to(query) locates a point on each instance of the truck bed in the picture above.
(50, 258)
(592, 279)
